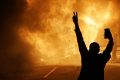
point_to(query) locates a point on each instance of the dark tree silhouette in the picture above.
(93, 62)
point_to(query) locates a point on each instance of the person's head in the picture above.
(94, 48)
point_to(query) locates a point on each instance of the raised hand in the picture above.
(75, 17)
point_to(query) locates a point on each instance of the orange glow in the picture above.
(58, 44)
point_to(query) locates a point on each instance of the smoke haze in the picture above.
(41, 32)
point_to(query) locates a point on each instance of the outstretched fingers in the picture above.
(75, 13)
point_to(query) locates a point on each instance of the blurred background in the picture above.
(37, 37)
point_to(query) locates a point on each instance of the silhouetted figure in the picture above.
(93, 63)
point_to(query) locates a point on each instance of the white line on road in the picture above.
(51, 71)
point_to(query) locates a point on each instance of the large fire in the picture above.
(56, 44)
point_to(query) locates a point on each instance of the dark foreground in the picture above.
(112, 72)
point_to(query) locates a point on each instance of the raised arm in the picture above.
(82, 47)
(110, 44)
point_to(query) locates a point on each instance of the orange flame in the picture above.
(58, 46)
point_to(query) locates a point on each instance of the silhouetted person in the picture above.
(93, 63)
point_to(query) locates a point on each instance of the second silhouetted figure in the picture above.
(93, 63)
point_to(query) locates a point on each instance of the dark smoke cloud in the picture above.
(13, 51)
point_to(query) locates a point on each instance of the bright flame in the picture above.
(95, 18)
(58, 45)
(90, 21)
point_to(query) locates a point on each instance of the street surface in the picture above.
(112, 72)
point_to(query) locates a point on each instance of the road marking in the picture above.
(51, 71)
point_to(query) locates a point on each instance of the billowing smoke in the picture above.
(14, 53)
(49, 29)
(38, 32)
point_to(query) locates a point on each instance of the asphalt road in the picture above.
(112, 72)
